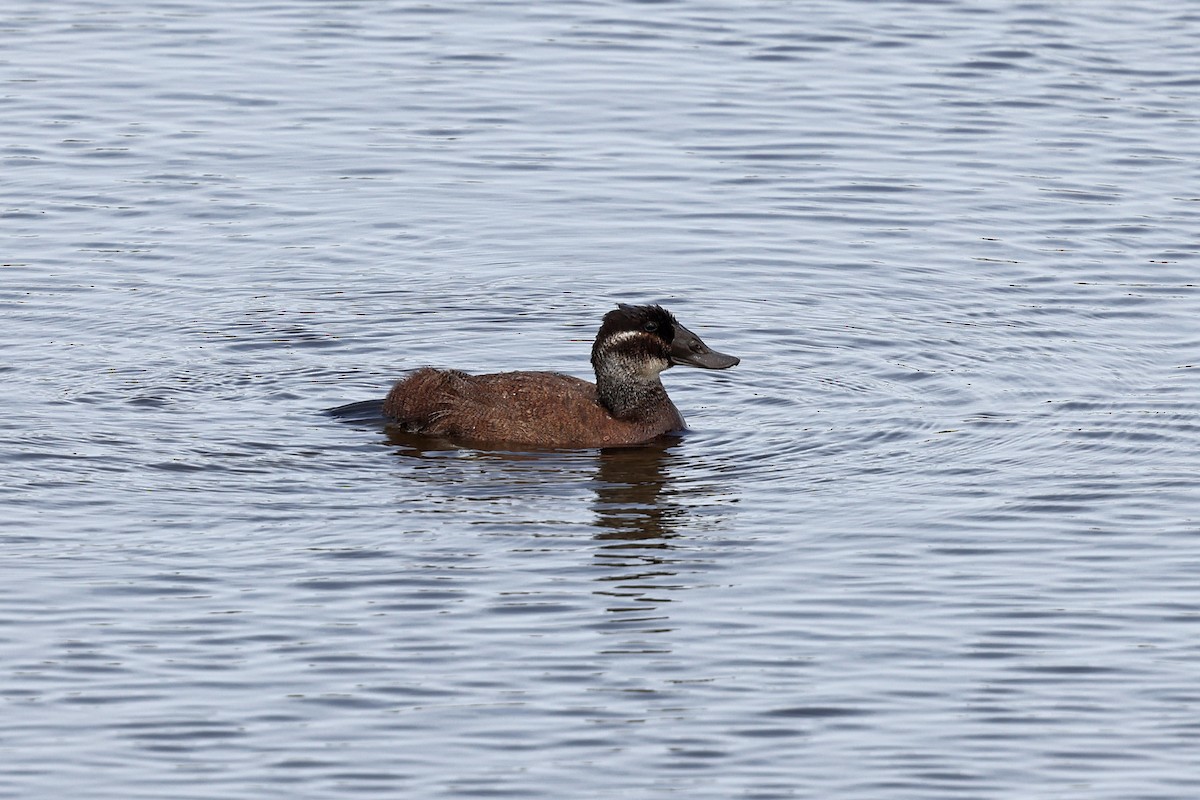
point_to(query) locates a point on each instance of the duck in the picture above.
(626, 406)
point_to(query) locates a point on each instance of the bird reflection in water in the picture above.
(637, 520)
(645, 500)
(630, 504)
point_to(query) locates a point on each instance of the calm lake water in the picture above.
(938, 535)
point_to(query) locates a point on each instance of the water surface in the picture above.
(936, 536)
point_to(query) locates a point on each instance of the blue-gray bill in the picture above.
(689, 349)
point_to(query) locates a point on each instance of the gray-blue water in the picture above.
(938, 535)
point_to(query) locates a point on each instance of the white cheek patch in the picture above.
(620, 337)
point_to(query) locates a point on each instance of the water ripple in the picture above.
(939, 522)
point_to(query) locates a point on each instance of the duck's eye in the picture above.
(651, 326)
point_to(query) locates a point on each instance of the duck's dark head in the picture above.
(636, 343)
(634, 340)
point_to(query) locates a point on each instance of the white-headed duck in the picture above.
(627, 405)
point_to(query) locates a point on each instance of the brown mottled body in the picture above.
(539, 409)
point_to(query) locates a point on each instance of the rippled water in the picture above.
(936, 536)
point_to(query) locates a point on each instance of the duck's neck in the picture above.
(624, 396)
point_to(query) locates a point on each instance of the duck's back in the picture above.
(541, 409)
